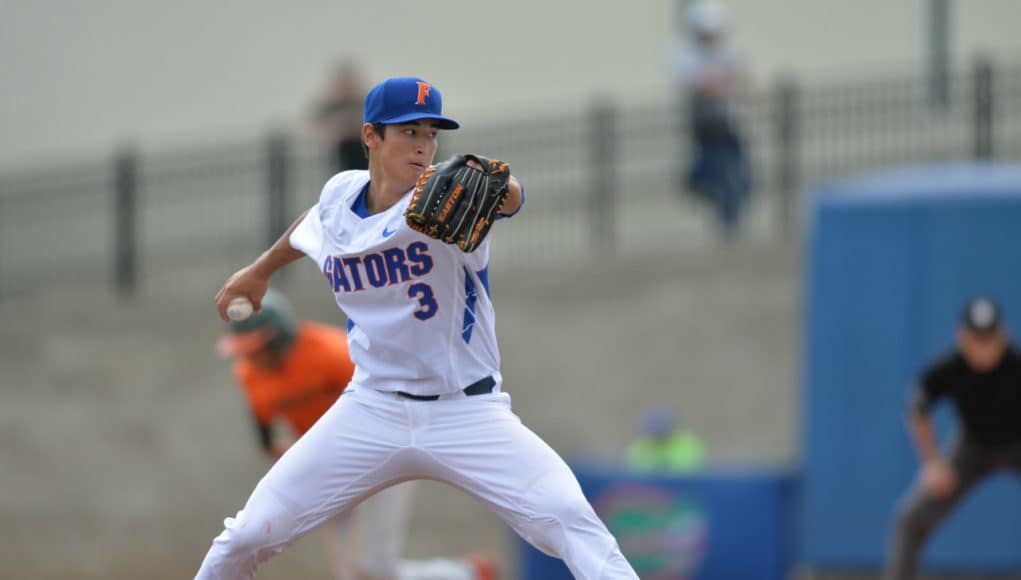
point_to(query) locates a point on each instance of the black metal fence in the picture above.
(601, 179)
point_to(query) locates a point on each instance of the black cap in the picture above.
(981, 315)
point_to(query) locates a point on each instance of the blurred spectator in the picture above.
(662, 445)
(711, 76)
(982, 377)
(339, 119)
(291, 372)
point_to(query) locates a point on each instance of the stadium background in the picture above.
(124, 444)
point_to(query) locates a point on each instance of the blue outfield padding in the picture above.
(892, 257)
(724, 523)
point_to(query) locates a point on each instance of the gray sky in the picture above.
(81, 76)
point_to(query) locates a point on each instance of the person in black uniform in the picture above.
(982, 378)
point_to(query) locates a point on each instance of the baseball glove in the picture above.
(457, 203)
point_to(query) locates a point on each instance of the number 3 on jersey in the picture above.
(426, 300)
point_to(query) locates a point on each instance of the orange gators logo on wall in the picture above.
(423, 92)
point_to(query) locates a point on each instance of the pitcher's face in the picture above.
(406, 149)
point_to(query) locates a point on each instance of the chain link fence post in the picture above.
(126, 222)
(603, 126)
(278, 179)
(983, 108)
(787, 133)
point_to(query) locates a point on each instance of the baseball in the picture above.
(239, 308)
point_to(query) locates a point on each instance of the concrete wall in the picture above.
(123, 443)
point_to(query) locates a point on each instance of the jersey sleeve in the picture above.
(308, 236)
(935, 383)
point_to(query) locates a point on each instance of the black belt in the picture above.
(479, 387)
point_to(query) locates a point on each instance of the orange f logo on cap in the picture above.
(423, 92)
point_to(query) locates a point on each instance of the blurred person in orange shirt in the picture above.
(291, 373)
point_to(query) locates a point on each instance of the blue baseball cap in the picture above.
(405, 99)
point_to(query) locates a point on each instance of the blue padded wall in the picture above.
(891, 259)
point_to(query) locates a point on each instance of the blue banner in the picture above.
(727, 523)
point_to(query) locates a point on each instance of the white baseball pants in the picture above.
(368, 543)
(370, 440)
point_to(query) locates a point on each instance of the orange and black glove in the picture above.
(456, 202)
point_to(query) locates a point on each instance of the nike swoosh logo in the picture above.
(388, 232)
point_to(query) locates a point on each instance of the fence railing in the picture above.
(600, 179)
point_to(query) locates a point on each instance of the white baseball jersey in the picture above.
(419, 314)
(422, 324)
